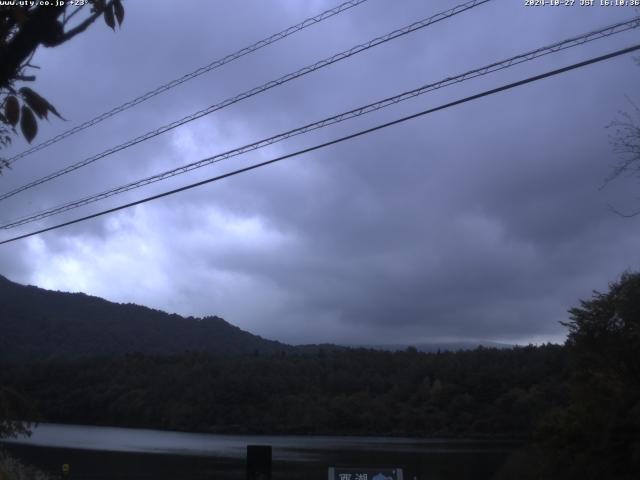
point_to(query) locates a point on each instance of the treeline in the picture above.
(484, 392)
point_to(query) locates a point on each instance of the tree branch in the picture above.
(624, 215)
(72, 14)
(82, 26)
(40, 27)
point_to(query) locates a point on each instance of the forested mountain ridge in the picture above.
(38, 324)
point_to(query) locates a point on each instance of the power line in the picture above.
(335, 141)
(190, 76)
(273, 83)
(496, 66)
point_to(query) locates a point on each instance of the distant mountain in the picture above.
(434, 347)
(38, 324)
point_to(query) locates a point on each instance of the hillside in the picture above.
(38, 324)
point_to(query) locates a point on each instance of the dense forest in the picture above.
(481, 392)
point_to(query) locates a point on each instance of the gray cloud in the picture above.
(483, 221)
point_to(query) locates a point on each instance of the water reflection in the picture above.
(131, 453)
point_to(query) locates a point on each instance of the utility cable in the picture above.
(190, 76)
(372, 107)
(273, 83)
(335, 141)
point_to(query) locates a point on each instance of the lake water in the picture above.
(121, 453)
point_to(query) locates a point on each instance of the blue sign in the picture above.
(343, 473)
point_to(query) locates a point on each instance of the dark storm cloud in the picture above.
(479, 222)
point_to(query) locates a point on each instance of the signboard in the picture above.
(344, 473)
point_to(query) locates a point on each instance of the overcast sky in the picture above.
(480, 222)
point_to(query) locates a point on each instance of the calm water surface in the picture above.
(121, 453)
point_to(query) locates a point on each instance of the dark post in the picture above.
(258, 462)
(65, 471)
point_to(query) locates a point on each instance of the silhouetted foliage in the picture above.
(23, 28)
(598, 434)
(625, 141)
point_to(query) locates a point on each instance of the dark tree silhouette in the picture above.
(598, 434)
(23, 28)
(625, 141)
(604, 332)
